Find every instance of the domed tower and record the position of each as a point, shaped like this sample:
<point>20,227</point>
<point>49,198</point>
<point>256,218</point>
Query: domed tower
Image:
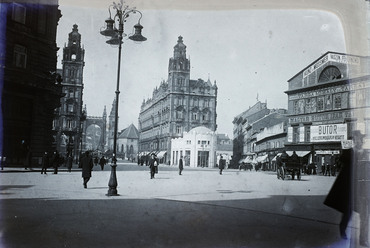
<point>179,68</point>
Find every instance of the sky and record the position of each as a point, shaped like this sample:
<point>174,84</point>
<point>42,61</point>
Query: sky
<point>249,53</point>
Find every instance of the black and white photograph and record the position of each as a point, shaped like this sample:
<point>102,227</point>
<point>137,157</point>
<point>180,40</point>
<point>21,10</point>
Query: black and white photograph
<point>168,123</point>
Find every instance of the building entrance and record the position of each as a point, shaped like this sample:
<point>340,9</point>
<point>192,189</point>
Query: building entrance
<point>203,158</point>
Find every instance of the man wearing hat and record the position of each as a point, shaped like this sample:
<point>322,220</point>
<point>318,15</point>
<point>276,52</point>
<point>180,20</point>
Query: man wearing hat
<point>351,190</point>
<point>153,165</point>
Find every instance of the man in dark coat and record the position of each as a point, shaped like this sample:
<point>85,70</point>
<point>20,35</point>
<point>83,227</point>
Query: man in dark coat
<point>350,191</point>
<point>181,165</point>
<point>55,160</point>
<point>102,162</point>
<point>87,165</point>
<point>152,165</point>
<point>69,163</point>
<point>221,164</point>
<point>45,163</point>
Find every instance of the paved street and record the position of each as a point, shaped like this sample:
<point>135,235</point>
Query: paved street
<point>197,209</point>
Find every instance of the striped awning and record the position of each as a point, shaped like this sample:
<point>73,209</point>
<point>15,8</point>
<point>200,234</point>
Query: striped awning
<point>161,154</point>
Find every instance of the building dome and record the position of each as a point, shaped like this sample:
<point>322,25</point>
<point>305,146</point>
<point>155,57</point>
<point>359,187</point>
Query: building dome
<point>200,129</point>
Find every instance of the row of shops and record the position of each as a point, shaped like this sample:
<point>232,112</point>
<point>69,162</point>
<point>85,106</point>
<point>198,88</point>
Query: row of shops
<point>319,159</point>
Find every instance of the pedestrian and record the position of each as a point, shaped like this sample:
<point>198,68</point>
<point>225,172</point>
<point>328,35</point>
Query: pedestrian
<point>153,165</point>
<point>221,164</point>
<point>96,161</point>
<point>45,163</point>
<point>28,158</point>
<point>102,162</point>
<point>181,165</point>
<point>69,163</point>
<point>55,161</point>
<point>87,165</point>
<point>327,169</point>
<point>350,191</point>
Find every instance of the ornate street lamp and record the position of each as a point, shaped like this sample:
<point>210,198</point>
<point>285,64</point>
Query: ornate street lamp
<point>116,34</point>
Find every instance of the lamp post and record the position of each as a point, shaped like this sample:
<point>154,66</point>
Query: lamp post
<point>122,13</point>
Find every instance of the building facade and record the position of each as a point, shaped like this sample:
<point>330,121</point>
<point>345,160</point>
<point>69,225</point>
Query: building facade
<point>128,143</point>
<point>243,139</point>
<point>224,148</point>
<point>270,133</point>
<point>327,100</point>
<point>197,147</point>
<point>31,89</point>
<point>176,106</point>
<point>69,117</point>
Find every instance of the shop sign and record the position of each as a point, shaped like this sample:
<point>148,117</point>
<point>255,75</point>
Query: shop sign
<point>316,66</point>
<point>337,58</point>
<point>330,132</point>
<point>321,117</point>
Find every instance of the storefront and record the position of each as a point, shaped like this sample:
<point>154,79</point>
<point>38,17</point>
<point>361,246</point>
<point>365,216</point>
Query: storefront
<point>324,100</point>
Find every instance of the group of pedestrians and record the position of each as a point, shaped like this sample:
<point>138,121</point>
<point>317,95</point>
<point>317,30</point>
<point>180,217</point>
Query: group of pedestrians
<point>55,160</point>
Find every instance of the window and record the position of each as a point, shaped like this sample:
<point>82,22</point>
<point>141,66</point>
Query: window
<point>73,57</point>
<point>195,116</point>
<point>19,13</point>
<point>178,130</point>
<point>70,107</point>
<point>179,114</point>
<point>71,93</point>
<point>20,56</point>
<point>295,134</point>
<point>337,101</point>
<point>307,133</point>
<point>308,105</point>
<point>330,73</point>
<point>69,124</point>
<point>328,102</point>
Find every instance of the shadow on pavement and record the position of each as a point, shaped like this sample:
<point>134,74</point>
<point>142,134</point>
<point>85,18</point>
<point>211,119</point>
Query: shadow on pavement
<point>278,221</point>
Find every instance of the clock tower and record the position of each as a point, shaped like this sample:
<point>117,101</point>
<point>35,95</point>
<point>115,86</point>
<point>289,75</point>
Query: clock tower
<point>70,117</point>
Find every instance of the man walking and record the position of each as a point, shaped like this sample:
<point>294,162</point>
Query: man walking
<point>87,165</point>
<point>69,163</point>
<point>221,164</point>
<point>102,162</point>
<point>153,165</point>
<point>45,163</point>
<point>181,166</point>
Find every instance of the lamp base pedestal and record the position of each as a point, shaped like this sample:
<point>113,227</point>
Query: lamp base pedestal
<point>112,191</point>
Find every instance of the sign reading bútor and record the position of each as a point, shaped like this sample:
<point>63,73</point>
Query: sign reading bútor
<point>330,132</point>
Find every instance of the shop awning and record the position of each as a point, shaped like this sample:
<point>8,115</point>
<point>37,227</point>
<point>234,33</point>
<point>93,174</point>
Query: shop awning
<point>161,154</point>
<point>299,153</point>
<point>277,155</point>
<point>248,160</point>
<point>262,159</point>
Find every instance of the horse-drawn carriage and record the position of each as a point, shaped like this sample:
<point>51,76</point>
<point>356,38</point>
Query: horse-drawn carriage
<point>288,166</point>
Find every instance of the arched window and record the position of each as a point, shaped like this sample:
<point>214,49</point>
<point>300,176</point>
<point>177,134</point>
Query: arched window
<point>330,73</point>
